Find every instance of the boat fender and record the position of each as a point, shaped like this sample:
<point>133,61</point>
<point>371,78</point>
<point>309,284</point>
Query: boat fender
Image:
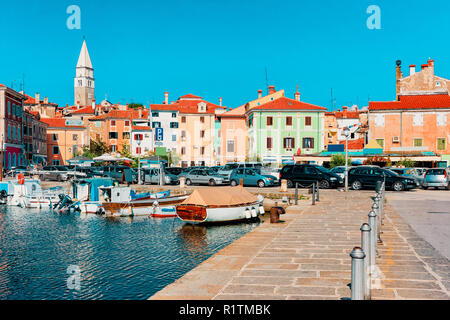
<point>254,213</point>
<point>101,211</point>
<point>261,210</point>
<point>247,213</point>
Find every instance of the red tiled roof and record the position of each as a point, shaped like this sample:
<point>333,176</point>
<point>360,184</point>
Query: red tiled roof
<point>238,112</point>
<point>84,110</point>
<point>31,100</point>
<point>187,106</point>
<point>190,96</point>
<point>59,123</point>
<point>284,103</point>
<point>122,114</point>
<point>164,107</point>
<point>431,101</point>
<point>347,114</point>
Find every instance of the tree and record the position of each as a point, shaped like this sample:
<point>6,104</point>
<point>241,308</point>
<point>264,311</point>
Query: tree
<point>135,105</point>
<point>339,160</point>
<point>96,148</point>
<point>406,162</point>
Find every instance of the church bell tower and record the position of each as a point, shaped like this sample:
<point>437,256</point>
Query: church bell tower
<point>84,79</point>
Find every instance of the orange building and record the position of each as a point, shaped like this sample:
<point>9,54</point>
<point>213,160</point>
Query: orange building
<point>233,135</point>
<point>65,139</point>
<point>414,123</point>
<point>114,128</point>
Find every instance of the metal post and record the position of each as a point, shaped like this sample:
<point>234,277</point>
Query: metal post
<point>357,284</point>
<point>376,209</point>
<point>296,193</point>
<point>373,238</point>
<point>313,193</point>
<point>317,191</point>
<point>346,164</point>
<point>365,245</point>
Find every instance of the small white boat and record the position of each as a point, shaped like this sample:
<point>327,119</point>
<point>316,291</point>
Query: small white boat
<point>31,195</point>
<point>117,202</point>
<point>220,205</point>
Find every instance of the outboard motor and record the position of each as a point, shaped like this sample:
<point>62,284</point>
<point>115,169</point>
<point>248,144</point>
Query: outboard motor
<point>3,196</point>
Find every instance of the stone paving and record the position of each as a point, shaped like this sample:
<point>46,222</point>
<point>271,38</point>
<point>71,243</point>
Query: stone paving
<point>307,258</point>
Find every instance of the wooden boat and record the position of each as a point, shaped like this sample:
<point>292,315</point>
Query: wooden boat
<point>220,205</point>
<point>116,201</point>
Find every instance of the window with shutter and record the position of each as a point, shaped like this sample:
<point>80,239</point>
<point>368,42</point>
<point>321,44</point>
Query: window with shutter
<point>289,121</point>
<point>269,143</point>
<point>269,121</point>
<point>308,121</point>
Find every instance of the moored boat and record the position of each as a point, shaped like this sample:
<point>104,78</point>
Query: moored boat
<point>117,201</point>
<point>220,205</point>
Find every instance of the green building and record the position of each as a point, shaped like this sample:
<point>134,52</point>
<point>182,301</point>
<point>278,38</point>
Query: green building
<point>282,127</point>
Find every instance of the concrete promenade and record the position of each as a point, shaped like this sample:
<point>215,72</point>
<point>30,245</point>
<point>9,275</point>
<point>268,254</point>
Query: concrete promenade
<point>307,257</point>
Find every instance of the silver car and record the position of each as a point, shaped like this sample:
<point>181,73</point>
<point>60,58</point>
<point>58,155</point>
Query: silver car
<point>205,176</point>
<point>437,177</point>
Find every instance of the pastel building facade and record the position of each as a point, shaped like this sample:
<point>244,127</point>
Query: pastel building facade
<point>282,127</point>
<point>11,138</point>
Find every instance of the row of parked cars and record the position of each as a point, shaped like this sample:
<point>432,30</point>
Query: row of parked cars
<point>422,177</point>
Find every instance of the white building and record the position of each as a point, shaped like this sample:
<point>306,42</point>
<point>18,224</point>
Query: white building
<point>165,116</point>
<point>141,140</point>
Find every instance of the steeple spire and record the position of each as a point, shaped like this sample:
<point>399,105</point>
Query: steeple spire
<point>84,60</point>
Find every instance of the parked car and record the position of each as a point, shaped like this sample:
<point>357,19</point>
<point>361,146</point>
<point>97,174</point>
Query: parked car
<point>307,174</point>
<point>367,176</point>
<point>151,175</point>
<point>20,169</point>
<point>54,173</point>
<point>174,170</point>
<point>340,170</point>
<point>215,168</point>
<point>229,167</point>
<point>189,169</point>
<point>437,177</point>
<point>409,172</point>
<point>251,177</point>
<point>204,176</point>
<point>117,172</point>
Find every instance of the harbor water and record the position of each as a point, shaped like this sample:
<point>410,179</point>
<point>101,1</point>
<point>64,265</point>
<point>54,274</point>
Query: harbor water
<point>46,255</point>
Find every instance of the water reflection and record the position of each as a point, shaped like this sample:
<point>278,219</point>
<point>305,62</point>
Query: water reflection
<point>119,258</point>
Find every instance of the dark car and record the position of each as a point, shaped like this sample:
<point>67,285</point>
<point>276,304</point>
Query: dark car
<point>119,172</point>
<point>307,174</point>
<point>367,176</point>
<point>54,173</point>
<point>174,170</point>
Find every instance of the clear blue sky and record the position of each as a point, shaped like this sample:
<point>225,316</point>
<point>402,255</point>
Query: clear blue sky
<point>139,49</point>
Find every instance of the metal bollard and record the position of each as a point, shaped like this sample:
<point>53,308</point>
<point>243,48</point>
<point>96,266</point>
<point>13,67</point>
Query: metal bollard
<point>379,201</point>
<point>365,245</point>
<point>357,284</point>
<point>313,194</point>
<point>317,191</point>
<point>296,193</point>
<point>373,238</point>
<point>376,208</point>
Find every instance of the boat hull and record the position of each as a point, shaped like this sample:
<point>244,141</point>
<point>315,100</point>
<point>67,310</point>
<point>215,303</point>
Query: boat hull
<point>199,214</point>
<point>139,207</point>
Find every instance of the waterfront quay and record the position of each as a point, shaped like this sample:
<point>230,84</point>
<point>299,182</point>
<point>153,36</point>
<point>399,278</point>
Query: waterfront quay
<point>307,257</point>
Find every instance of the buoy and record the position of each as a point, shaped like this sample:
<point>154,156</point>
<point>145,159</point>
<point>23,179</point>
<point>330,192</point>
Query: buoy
<point>21,178</point>
<point>253,211</point>
<point>247,213</point>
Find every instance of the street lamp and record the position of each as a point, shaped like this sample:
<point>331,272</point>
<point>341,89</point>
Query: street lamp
<point>346,135</point>
<point>138,139</point>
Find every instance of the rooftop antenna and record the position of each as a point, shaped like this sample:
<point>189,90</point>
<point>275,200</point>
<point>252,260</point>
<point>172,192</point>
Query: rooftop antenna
<point>267,81</point>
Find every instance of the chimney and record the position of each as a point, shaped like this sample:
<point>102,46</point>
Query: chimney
<point>37,98</point>
<point>398,76</point>
<point>412,69</point>
<point>78,104</point>
<point>220,101</point>
<point>431,65</point>
<point>297,95</point>
<point>424,66</point>
<point>259,94</point>
<point>166,97</point>
<point>93,104</point>
<point>46,100</point>
<point>140,113</point>
<point>272,89</point>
